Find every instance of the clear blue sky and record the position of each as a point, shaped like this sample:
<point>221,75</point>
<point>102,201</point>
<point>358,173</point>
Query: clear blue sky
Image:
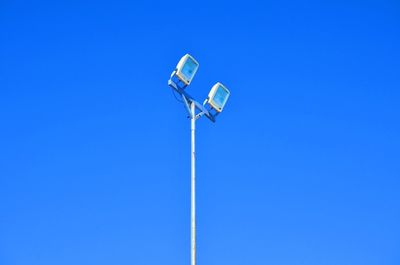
<point>302,167</point>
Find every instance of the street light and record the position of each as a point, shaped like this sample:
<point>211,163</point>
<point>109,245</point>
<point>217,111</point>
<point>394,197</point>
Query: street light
<point>186,69</point>
<point>180,78</point>
<point>218,96</point>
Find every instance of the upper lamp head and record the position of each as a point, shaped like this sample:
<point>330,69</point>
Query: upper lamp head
<point>218,96</point>
<point>186,69</point>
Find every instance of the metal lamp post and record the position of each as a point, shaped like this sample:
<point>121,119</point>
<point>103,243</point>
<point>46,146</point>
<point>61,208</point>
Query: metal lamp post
<point>180,78</point>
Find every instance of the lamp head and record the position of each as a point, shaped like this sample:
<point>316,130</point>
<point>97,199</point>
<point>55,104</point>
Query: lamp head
<point>218,96</point>
<point>186,69</point>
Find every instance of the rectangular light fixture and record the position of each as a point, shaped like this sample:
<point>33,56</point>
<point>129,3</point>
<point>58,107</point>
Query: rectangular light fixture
<point>218,96</point>
<point>186,69</point>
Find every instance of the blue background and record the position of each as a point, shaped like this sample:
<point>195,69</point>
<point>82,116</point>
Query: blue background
<point>302,167</point>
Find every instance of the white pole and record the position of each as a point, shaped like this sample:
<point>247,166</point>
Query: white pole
<point>193,184</point>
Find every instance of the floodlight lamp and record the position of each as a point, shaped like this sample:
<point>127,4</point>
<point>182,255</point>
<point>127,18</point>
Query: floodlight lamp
<point>186,69</point>
<point>218,96</point>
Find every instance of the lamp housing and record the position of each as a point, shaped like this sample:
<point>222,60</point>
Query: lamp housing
<point>186,68</point>
<point>218,96</point>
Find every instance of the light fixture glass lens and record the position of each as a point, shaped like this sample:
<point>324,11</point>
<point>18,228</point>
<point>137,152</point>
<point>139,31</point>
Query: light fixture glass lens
<point>189,68</point>
<point>220,97</point>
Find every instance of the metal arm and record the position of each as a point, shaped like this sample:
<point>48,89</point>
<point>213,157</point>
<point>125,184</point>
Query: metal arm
<point>175,84</point>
